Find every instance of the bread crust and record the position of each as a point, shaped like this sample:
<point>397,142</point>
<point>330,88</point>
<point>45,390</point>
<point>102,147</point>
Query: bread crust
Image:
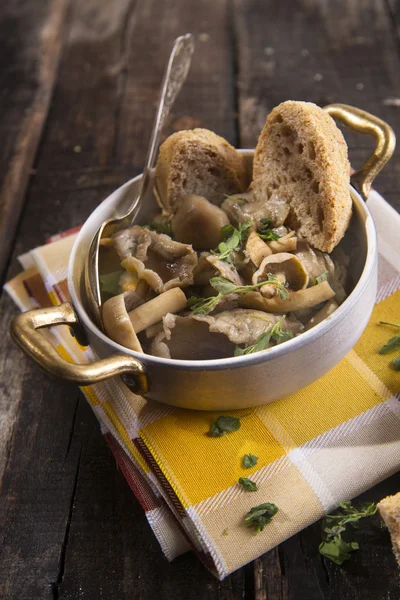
<point>301,155</point>
<point>389,509</point>
<point>198,162</point>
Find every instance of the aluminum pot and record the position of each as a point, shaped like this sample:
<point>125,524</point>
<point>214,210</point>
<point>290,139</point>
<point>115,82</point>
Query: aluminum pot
<point>228,383</point>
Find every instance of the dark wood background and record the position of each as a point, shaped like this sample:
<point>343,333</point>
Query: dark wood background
<point>79,82</point>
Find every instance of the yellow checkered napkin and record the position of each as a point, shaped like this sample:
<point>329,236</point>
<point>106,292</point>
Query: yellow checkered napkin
<point>327,443</point>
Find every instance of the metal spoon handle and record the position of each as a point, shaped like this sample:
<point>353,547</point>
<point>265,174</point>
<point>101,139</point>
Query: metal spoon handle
<point>174,76</point>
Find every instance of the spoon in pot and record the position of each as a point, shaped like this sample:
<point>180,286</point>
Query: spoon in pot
<point>174,76</point>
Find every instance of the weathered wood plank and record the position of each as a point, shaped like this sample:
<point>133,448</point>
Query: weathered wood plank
<point>31,38</point>
<point>319,52</point>
<point>324,53</point>
<point>96,138</point>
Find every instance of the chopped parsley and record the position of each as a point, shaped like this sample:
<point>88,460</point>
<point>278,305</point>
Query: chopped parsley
<point>160,227</point>
<point>265,232</point>
<point>259,516</point>
<point>247,484</point>
<point>224,425</point>
<point>249,460</point>
<point>333,546</point>
<point>391,345</point>
<point>321,278</point>
<point>277,334</point>
<point>203,306</point>
<point>109,283</point>
<point>232,240</point>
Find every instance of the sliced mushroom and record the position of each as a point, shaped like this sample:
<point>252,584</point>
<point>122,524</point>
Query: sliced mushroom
<point>153,311</point>
<point>190,339</point>
<point>241,208</point>
<point>244,326</point>
<point>296,301</point>
<point>287,243</point>
<point>323,313</point>
<point>163,263</point>
<point>289,264</point>
<point>257,249</point>
<point>118,325</point>
<point>198,222</point>
<point>316,263</point>
<point>204,270</point>
<point>225,269</point>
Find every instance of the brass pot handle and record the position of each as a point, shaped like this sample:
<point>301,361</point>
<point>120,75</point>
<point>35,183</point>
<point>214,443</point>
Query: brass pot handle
<point>24,331</point>
<point>363,122</point>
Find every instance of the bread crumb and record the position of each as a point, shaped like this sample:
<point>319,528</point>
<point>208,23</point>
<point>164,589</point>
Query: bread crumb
<point>360,87</point>
<point>77,149</point>
<point>318,77</point>
<point>305,52</point>
<point>203,37</point>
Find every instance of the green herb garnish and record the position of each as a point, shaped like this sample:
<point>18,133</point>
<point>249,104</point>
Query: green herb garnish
<point>396,363</point>
<point>232,240</point>
<point>259,516</point>
<point>202,306</point>
<point>249,460</point>
<point>391,346</point>
<point>224,425</point>
<point>321,278</point>
<point>247,484</point>
<point>109,283</point>
<point>277,334</point>
<point>265,232</point>
<point>160,227</point>
<point>333,546</point>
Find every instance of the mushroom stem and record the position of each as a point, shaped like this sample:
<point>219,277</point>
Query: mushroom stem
<point>257,249</point>
<point>153,311</point>
<point>118,325</point>
<point>287,243</point>
<point>324,312</point>
<point>296,300</point>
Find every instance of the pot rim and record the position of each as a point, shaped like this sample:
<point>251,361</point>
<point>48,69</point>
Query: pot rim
<point>233,362</point>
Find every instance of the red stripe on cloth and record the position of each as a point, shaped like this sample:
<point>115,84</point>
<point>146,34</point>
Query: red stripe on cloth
<point>141,446</point>
<point>136,482</point>
<point>63,234</point>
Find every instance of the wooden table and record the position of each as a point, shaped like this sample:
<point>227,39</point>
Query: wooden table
<point>79,85</point>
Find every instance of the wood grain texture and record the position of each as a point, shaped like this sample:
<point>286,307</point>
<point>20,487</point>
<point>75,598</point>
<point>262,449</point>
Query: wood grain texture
<point>95,139</point>
<point>31,38</point>
<point>70,527</point>
<point>321,52</point>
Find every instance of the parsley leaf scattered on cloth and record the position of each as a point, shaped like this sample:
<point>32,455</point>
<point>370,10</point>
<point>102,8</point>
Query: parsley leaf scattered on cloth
<point>249,460</point>
<point>224,425</point>
<point>265,232</point>
<point>247,484</point>
<point>333,546</point>
<point>391,346</point>
<point>259,516</point>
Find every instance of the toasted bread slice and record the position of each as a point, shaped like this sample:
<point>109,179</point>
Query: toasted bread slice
<point>389,509</point>
<point>301,156</point>
<point>198,162</point>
